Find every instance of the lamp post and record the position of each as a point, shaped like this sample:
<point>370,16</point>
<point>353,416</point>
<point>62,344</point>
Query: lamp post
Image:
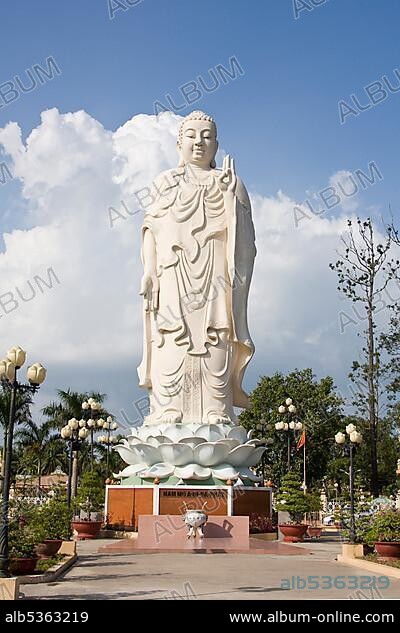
<point>288,427</point>
<point>74,433</point>
<point>92,408</point>
<point>336,485</point>
<point>108,439</point>
<point>266,441</point>
<point>36,374</point>
<point>354,438</point>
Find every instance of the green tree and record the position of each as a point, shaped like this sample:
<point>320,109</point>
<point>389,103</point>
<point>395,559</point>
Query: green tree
<point>318,408</point>
<point>41,446</point>
<point>91,493</point>
<point>292,499</point>
<point>69,406</point>
<point>364,270</point>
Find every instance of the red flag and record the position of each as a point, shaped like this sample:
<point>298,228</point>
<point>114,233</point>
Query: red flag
<point>302,441</point>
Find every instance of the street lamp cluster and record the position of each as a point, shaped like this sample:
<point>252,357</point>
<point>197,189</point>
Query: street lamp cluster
<point>354,438</point>
<point>288,409</point>
<point>76,431</point>
<point>36,375</point>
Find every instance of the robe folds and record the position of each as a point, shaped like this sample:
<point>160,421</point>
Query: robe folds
<point>197,344</point>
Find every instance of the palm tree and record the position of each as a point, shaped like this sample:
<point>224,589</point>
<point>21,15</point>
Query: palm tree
<point>115,462</point>
<point>70,406</point>
<point>38,443</point>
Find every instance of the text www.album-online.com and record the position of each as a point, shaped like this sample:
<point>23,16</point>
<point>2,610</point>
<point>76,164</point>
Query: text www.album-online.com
<point>336,617</point>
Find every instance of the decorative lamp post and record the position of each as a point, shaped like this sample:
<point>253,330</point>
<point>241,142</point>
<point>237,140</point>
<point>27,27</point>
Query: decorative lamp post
<point>91,409</point>
<point>74,433</point>
<point>108,439</point>
<point>36,375</point>
<point>266,441</point>
<point>289,427</point>
<point>336,485</point>
<point>349,444</point>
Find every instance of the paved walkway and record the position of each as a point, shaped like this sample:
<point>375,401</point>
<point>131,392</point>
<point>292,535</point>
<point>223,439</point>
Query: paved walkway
<point>105,576</point>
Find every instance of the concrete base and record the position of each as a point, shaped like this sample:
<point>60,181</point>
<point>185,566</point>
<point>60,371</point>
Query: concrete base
<point>267,536</point>
<point>352,551</point>
<point>170,532</point>
<point>9,588</point>
<point>367,565</point>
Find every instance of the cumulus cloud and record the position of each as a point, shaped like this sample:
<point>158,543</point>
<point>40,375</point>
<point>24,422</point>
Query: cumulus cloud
<point>87,317</point>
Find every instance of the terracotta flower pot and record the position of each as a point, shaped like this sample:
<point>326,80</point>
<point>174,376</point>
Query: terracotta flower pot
<point>293,533</point>
<point>388,549</point>
<point>48,548</point>
<point>22,566</point>
<point>86,529</point>
<point>313,531</point>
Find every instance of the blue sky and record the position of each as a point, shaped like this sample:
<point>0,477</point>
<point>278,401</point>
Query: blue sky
<point>279,118</point>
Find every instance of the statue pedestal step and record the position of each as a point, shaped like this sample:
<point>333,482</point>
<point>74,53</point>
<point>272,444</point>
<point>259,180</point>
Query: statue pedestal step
<point>170,532</point>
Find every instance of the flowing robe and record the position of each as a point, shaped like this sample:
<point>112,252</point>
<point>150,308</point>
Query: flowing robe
<point>197,344</point>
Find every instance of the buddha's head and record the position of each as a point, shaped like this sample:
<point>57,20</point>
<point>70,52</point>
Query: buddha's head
<point>197,140</point>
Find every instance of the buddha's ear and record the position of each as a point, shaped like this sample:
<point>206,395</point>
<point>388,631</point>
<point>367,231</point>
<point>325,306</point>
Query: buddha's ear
<point>181,161</point>
<point>213,164</point>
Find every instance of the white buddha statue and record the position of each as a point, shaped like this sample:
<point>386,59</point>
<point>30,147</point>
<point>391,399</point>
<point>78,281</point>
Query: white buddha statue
<point>198,254</point>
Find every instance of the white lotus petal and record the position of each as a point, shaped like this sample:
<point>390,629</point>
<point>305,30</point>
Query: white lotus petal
<point>230,442</point>
<point>192,441</point>
<point>225,471</point>
<point>132,440</point>
<point>153,441</point>
<point>142,453</point>
<point>177,432</point>
<point>161,439</point>
<point>158,470</point>
<point>240,455</point>
<point>144,432</point>
<point>210,453</point>
<point>193,426</point>
<point>226,428</point>
<point>178,454</point>
<point>255,456</point>
<point>128,455</point>
<point>129,471</point>
<point>248,474</point>
<point>239,433</point>
<point>192,471</point>
<point>210,432</point>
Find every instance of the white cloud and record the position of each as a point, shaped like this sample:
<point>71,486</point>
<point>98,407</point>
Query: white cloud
<point>346,187</point>
<point>72,170</point>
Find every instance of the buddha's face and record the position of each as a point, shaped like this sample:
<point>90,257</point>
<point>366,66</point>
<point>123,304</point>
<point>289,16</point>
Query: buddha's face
<point>199,144</point>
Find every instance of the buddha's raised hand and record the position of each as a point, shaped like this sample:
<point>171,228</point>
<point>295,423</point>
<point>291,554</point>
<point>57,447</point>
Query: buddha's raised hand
<point>227,180</point>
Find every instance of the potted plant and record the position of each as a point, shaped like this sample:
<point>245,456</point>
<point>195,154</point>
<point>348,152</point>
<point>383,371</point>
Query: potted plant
<point>260,524</point>
<point>314,507</point>
<point>292,499</point>
<point>22,553</point>
<point>89,501</point>
<point>385,530</point>
<point>51,525</point>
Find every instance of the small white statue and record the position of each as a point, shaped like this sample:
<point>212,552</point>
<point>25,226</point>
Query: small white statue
<point>195,519</point>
